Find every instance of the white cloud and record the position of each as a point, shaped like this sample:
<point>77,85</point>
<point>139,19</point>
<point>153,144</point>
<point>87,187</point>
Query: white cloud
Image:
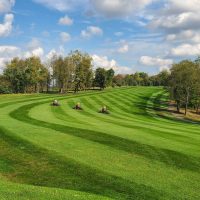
<point>56,52</point>
<point>112,8</point>
<point>119,8</point>
<point>65,21</point>
<point>45,34</point>
<point>103,61</point>
<point>141,23</point>
<point>38,52</point>
<point>6,5</point>
<point>182,21</point>
<point>2,64</point>
<point>177,15</point>
<point>124,49</point>
<point>6,26</point>
<point>186,50</point>
<point>65,37</point>
<point>119,34</point>
<point>34,44</point>
<point>91,31</point>
<point>188,35</point>
<point>187,5</point>
<point>61,5</point>
<point>179,21</point>
<point>34,49</point>
<point>7,53</point>
<point>51,54</point>
<point>156,62</point>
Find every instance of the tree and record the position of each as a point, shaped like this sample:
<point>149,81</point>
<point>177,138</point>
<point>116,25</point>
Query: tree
<point>100,78</point>
<point>143,79</point>
<point>182,82</point>
<point>163,78</point>
<point>16,73</point>
<point>109,77</point>
<point>82,64</point>
<point>25,75</point>
<point>137,78</point>
<point>118,80</point>
<point>129,80</point>
<point>196,89</point>
<point>36,73</point>
<point>5,86</point>
<point>59,72</point>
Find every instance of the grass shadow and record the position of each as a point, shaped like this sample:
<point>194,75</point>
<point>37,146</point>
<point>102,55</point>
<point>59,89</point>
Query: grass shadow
<point>31,164</point>
<point>169,157</point>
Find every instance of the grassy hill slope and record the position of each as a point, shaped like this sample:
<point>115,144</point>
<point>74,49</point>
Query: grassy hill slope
<point>132,153</point>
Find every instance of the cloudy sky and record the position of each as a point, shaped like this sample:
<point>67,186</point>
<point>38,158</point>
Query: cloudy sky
<point>127,35</point>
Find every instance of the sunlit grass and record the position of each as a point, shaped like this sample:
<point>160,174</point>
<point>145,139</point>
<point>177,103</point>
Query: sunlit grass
<point>132,153</point>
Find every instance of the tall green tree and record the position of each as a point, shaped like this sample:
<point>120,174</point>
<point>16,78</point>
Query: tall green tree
<point>82,64</point>
<point>5,86</point>
<point>138,78</point>
<point>59,72</point>
<point>119,80</point>
<point>109,77</point>
<point>143,79</point>
<point>129,80</point>
<point>182,82</point>
<point>100,78</point>
<point>25,75</point>
<point>16,73</point>
<point>196,89</point>
<point>36,73</point>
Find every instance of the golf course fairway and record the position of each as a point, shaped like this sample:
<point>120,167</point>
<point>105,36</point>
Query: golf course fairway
<point>134,152</point>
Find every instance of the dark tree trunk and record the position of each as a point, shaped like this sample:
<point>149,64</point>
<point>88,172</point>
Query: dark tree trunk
<point>197,108</point>
<point>47,88</point>
<point>36,88</point>
<point>186,103</point>
<point>178,106</point>
<point>47,85</point>
<point>61,90</point>
<point>186,107</point>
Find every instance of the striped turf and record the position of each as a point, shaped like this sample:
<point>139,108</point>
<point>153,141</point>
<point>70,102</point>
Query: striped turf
<point>133,153</point>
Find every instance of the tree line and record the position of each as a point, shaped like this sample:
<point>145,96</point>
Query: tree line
<point>74,72</point>
<point>184,84</point>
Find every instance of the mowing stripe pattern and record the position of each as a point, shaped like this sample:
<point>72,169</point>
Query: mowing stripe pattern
<point>138,151</point>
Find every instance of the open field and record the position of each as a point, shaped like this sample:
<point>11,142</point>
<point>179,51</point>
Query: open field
<point>132,153</point>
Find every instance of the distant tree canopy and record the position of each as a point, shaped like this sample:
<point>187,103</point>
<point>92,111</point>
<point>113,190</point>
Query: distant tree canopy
<point>103,78</point>
<point>5,86</point>
<point>141,79</point>
<point>26,75</point>
<point>184,84</point>
<point>75,72</point>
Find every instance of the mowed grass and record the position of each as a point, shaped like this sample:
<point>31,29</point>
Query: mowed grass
<point>135,152</point>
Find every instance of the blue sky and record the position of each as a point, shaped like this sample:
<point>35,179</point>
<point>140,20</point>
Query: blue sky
<point>129,35</point>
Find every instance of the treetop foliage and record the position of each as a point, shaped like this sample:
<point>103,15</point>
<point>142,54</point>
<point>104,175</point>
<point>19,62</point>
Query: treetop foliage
<point>75,72</point>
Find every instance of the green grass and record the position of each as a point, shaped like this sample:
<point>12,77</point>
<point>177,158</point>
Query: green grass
<point>135,152</point>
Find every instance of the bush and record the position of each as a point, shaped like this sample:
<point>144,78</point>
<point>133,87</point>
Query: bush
<point>5,90</point>
<point>5,86</point>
